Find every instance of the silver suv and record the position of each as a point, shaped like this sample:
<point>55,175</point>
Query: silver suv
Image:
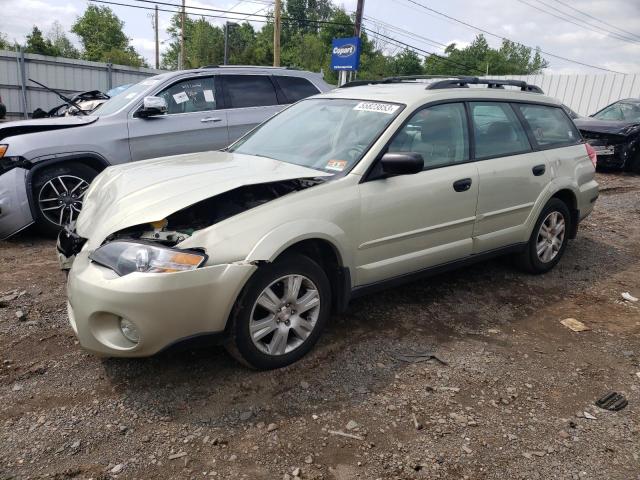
<point>46,165</point>
<point>338,195</point>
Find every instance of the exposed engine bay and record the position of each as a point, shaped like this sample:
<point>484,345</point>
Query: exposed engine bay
<point>180,225</point>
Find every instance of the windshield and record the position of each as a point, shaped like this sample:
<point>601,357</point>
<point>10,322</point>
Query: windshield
<point>621,111</point>
<point>322,133</point>
<point>129,95</point>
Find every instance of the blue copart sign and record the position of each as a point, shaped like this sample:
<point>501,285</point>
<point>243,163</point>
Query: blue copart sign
<point>345,53</point>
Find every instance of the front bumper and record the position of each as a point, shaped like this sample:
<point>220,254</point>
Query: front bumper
<point>15,213</point>
<point>165,308</point>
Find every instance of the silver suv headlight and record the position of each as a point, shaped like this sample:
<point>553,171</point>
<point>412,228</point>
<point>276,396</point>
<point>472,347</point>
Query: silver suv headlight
<point>124,257</point>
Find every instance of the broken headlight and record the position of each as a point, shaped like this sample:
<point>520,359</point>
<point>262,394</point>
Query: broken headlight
<point>128,257</point>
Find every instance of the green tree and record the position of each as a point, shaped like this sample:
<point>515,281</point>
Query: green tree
<point>61,42</point>
<point>36,43</point>
<point>204,43</point>
<point>4,42</point>
<point>103,39</point>
<point>479,58</point>
<point>407,63</point>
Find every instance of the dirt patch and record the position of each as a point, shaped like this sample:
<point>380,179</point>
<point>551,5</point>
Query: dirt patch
<point>509,402</point>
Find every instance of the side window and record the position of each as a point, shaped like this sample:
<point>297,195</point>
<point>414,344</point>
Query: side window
<point>192,95</point>
<point>249,91</point>
<point>549,125</point>
<point>497,130</point>
<point>296,88</point>
<point>438,133</point>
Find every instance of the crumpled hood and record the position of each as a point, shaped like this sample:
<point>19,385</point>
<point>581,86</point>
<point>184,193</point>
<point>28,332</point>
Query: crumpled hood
<point>9,129</point>
<point>615,127</point>
<point>148,191</point>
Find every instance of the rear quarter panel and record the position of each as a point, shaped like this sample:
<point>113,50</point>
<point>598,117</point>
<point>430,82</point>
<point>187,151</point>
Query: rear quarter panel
<point>571,169</point>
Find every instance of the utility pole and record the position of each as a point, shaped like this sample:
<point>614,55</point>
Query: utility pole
<point>358,22</point>
<point>276,34</point>
<point>155,21</point>
<point>181,62</point>
<point>226,40</point>
<point>357,27</point>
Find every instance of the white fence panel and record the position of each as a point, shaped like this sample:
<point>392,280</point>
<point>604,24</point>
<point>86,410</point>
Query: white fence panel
<point>584,93</point>
<point>66,75</point>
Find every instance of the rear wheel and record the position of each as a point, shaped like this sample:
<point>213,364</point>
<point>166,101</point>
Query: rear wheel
<point>548,240</point>
<point>58,194</point>
<point>281,313</point>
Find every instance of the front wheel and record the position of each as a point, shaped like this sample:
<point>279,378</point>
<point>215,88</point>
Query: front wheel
<point>281,313</point>
<point>58,194</point>
<point>548,240</point>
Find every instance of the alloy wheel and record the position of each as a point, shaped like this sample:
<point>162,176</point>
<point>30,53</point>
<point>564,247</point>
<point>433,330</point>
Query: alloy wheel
<point>284,314</point>
<point>550,237</point>
<point>60,199</point>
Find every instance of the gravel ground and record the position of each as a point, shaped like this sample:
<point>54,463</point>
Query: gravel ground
<point>514,396</point>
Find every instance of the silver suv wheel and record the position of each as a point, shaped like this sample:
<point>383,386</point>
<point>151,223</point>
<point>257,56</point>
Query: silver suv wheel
<point>550,236</point>
<point>60,199</point>
<point>284,315</point>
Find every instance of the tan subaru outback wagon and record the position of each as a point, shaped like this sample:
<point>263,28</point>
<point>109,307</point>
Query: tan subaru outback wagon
<point>336,196</point>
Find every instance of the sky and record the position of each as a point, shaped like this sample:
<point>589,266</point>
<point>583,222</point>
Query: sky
<point>519,20</point>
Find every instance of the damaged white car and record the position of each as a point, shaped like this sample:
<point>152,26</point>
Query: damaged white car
<point>336,196</point>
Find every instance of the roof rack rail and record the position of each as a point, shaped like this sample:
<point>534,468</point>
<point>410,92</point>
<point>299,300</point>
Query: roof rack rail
<point>464,82</point>
<point>449,81</point>
<point>248,66</point>
<point>399,79</point>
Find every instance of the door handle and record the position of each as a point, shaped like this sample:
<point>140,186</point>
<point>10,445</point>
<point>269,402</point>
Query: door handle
<point>539,170</point>
<point>210,119</point>
<point>462,185</point>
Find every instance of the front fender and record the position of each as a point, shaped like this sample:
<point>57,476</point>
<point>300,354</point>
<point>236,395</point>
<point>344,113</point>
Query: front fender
<point>282,237</point>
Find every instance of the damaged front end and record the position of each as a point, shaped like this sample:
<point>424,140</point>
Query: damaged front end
<point>182,224</point>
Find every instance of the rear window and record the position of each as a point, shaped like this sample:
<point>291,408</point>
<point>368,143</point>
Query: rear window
<point>249,91</point>
<point>497,130</point>
<point>296,88</point>
<point>550,125</point>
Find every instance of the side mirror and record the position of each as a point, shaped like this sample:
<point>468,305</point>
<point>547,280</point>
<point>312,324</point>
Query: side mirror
<point>405,163</point>
<point>152,106</point>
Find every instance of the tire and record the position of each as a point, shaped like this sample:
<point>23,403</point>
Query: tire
<point>529,260</point>
<point>52,203</point>
<point>281,325</point>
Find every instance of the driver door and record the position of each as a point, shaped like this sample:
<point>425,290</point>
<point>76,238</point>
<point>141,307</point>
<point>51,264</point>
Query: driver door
<point>192,122</point>
<point>412,222</point>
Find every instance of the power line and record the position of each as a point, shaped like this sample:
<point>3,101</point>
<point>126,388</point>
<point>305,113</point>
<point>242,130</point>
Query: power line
<point>428,53</point>
<point>580,22</point>
<point>266,17</point>
<point>504,38</point>
<point>415,36</point>
<point>596,18</point>
<point>209,9</point>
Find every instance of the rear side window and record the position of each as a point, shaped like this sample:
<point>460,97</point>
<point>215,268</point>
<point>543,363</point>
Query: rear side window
<point>249,91</point>
<point>550,125</point>
<point>296,88</point>
<point>438,133</point>
<point>497,130</point>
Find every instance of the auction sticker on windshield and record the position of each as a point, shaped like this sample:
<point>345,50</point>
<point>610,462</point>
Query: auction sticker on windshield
<point>376,107</point>
<point>336,165</point>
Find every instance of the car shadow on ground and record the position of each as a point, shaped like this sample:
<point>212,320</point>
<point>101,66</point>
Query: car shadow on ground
<point>356,354</point>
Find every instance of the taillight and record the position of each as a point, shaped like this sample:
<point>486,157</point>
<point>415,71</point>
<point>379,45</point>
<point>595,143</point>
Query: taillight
<point>592,154</point>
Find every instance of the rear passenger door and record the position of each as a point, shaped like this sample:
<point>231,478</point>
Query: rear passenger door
<point>249,100</point>
<point>511,175</point>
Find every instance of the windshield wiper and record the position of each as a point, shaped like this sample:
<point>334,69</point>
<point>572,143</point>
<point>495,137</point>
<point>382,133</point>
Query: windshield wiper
<point>66,100</point>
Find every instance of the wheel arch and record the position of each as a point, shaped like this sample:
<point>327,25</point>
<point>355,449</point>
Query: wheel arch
<point>323,242</point>
<point>568,197</point>
<point>90,159</point>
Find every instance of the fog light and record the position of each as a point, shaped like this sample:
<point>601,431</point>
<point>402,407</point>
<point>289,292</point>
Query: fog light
<point>129,330</point>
